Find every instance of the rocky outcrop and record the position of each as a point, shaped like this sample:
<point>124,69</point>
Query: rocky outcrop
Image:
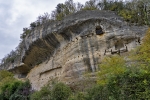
<point>66,49</point>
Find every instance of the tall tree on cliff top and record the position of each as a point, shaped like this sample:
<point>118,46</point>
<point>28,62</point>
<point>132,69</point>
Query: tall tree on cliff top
<point>91,5</point>
<point>70,7</point>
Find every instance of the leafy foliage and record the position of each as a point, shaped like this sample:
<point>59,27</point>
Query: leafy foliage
<point>44,93</point>
<point>15,90</point>
<point>78,96</point>
<point>58,91</point>
<point>110,66</point>
<point>126,14</point>
<point>11,88</point>
<point>141,55</point>
<point>98,92</point>
<point>90,5</point>
<point>22,92</point>
<point>4,74</point>
<point>5,77</point>
<point>61,91</point>
<point>130,85</point>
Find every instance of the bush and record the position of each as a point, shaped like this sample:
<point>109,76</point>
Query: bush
<point>16,90</point>
<point>5,77</point>
<point>98,92</point>
<point>126,14</point>
<point>131,85</point>
<point>110,66</point>
<point>118,82</point>
<point>58,91</point>
<point>4,74</point>
<point>78,96</point>
<point>9,88</point>
<point>44,93</point>
<point>142,54</point>
<point>61,92</point>
<point>22,92</point>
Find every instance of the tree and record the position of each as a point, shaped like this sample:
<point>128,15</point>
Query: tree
<point>110,66</point>
<point>11,88</point>
<point>142,54</point>
<point>33,25</point>
<point>90,5</point>
<point>57,91</point>
<point>42,19</point>
<point>130,85</point>
<point>143,7</point>
<point>60,11</point>
<point>61,92</point>
<point>79,6</point>
<point>26,31</point>
<point>69,7</point>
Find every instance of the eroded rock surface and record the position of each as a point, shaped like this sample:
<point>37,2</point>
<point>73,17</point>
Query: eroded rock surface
<point>68,48</point>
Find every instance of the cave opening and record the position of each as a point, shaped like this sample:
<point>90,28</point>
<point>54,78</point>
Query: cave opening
<point>99,30</point>
<point>119,44</point>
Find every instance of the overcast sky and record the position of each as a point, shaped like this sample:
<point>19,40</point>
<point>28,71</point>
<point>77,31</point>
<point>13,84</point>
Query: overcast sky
<point>17,14</point>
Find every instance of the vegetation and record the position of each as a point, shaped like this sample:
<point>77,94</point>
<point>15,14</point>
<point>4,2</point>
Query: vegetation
<point>142,54</point>
<point>44,93</point>
<point>5,77</point>
<point>9,58</point>
<point>110,66</point>
<point>13,89</point>
<point>58,91</point>
<point>130,85</point>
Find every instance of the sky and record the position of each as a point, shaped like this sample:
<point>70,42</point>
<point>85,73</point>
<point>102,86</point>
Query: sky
<point>18,14</point>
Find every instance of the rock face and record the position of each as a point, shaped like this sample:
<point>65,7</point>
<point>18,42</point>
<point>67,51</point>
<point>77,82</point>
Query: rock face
<point>67,49</point>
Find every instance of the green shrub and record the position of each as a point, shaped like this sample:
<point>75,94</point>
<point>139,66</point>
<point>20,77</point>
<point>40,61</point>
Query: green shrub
<point>126,14</point>
<point>78,96</point>
<point>110,66</point>
<point>5,77</point>
<point>58,91</point>
<point>22,92</point>
<point>98,92</point>
<point>61,91</point>
<point>44,93</point>
<point>131,85</point>
<point>9,88</point>
<point>4,74</point>
<point>142,54</point>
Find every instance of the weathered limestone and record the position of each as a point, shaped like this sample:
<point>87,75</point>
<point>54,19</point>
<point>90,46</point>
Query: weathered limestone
<point>67,49</point>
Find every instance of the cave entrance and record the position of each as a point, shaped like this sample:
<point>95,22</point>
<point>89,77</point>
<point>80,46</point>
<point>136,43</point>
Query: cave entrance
<point>119,44</point>
<point>99,30</point>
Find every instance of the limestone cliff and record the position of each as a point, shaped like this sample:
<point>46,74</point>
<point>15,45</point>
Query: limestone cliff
<point>66,49</point>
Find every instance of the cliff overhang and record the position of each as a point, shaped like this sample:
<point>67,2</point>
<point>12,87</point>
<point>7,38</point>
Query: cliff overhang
<point>74,45</point>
